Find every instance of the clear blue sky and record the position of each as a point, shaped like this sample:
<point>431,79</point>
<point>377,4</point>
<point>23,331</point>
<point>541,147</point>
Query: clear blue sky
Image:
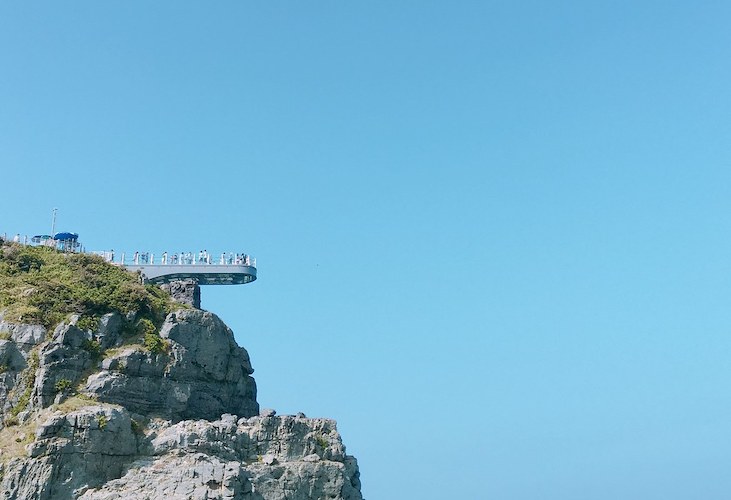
<point>493,238</point>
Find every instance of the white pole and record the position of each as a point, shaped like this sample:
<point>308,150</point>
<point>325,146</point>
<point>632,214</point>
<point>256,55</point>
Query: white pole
<point>53,223</point>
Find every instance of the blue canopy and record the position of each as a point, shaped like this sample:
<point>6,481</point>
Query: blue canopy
<point>66,236</point>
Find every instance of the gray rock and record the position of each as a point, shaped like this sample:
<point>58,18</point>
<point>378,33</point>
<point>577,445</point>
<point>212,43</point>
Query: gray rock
<point>93,453</point>
<point>68,335</point>
<point>63,362</point>
<point>72,452</point>
<point>25,336</point>
<point>11,358</point>
<point>183,423</point>
<point>195,476</point>
<point>109,331</point>
<point>204,375</point>
<point>185,292</point>
<point>227,418</point>
<point>287,438</point>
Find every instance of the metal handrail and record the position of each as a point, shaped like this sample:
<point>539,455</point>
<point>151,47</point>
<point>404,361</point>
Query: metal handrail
<point>188,259</point>
<point>147,258</point>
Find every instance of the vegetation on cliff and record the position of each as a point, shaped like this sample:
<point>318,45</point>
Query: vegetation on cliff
<point>41,285</point>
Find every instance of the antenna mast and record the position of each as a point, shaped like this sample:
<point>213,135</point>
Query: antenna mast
<point>53,223</point>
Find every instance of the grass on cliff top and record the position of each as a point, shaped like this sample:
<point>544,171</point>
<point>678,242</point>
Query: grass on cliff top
<point>43,286</point>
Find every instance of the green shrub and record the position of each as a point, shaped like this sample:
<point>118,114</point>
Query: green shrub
<point>136,427</point>
<point>33,363</point>
<point>90,323</point>
<point>41,285</point>
<point>28,378</point>
<point>22,402</point>
<point>322,441</point>
<point>150,338</point>
<point>93,347</point>
<point>154,343</point>
<point>146,327</point>
<point>102,420</point>
<point>62,385</point>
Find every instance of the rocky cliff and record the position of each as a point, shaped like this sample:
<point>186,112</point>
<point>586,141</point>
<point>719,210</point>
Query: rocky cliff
<point>115,406</point>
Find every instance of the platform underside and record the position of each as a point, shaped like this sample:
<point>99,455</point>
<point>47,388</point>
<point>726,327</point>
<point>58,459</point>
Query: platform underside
<point>204,274</point>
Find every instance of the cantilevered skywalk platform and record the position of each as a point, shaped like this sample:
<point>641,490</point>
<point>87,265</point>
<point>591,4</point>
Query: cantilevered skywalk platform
<point>201,273</point>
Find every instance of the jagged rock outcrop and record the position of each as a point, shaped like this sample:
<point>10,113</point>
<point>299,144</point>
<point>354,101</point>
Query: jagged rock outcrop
<point>69,452</point>
<point>199,372</point>
<point>203,374</point>
<point>108,413</point>
<point>185,292</point>
<point>100,452</point>
<point>255,458</point>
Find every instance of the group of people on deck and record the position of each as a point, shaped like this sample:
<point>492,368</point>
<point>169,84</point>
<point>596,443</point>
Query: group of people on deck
<point>203,257</point>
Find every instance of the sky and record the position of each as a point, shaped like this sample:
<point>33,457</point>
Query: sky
<point>493,238</point>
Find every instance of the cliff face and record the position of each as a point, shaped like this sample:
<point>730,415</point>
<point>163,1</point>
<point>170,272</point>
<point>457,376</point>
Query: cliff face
<point>118,408</point>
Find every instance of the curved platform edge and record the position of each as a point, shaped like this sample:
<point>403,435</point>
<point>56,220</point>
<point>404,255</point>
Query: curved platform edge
<point>204,274</point>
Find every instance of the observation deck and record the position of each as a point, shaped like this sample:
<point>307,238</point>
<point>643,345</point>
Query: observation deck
<point>228,269</point>
<point>201,273</point>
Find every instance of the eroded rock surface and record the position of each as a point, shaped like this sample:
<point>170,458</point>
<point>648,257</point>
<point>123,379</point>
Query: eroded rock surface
<point>100,452</point>
<point>97,414</point>
<point>184,291</point>
<point>203,374</point>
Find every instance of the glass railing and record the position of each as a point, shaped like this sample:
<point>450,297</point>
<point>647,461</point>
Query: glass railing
<point>178,259</point>
<point>141,258</point>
